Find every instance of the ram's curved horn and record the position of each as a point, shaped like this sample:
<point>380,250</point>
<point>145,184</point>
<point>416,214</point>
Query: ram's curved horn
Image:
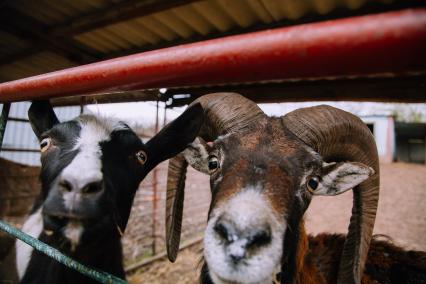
<point>340,136</point>
<point>224,113</point>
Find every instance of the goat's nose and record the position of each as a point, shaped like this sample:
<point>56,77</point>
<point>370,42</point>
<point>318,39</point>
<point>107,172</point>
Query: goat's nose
<point>238,240</point>
<point>67,185</point>
<point>237,251</point>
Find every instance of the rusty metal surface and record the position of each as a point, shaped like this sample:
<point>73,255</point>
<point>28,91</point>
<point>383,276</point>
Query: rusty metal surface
<point>146,95</point>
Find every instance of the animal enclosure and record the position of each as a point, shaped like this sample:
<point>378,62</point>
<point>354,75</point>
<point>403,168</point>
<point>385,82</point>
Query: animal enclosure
<point>269,51</point>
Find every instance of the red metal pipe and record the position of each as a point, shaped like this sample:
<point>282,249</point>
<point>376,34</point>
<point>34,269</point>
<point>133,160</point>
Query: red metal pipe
<point>393,42</point>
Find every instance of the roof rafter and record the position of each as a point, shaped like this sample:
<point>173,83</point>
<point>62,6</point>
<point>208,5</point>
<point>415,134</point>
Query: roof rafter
<point>55,38</point>
<point>22,26</point>
<point>115,13</point>
<point>372,89</point>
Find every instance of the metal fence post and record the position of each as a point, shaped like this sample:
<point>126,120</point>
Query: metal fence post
<point>3,121</point>
<point>154,193</point>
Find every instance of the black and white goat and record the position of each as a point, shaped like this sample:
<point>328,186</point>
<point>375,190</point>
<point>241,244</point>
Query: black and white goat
<point>91,169</point>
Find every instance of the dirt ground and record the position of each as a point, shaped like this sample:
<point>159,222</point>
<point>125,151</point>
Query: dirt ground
<point>401,216</point>
<point>186,269</point>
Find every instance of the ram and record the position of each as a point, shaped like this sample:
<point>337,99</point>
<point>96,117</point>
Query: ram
<point>264,172</point>
<point>91,169</point>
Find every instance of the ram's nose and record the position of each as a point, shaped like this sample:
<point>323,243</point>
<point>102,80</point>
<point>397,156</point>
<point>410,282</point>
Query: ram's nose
<point>239,241</point>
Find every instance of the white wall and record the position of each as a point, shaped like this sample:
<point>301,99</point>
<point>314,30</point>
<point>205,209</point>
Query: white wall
<point>384,133</point>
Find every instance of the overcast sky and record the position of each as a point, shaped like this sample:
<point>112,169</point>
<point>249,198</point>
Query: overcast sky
<point>144,113</point>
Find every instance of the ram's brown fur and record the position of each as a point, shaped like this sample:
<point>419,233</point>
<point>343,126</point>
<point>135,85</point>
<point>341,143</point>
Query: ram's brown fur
<point>274,157</point>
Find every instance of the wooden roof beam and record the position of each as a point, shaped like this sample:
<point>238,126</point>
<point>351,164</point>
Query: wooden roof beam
<point>53,39</point>
<point>20,25</point>
<point>407,89</point>
<point>114,13</point>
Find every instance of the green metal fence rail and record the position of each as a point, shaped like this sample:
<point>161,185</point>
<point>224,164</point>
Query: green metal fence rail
<point>100,276</point>
<point>97,275</point>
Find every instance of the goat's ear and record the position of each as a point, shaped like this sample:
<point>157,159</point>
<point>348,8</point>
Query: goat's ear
<point>197,155</point>
<point>176,136</point>
<point>42,117</point>
<point>337,178</point>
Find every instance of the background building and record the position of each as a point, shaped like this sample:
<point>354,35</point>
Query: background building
<point>410,142</point>
<point>383,129</point>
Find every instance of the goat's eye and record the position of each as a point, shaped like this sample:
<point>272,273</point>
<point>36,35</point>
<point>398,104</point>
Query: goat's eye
<point>142,157</point>
<point>45,144</point>
<point>213,164</point>
<point>313,183</point>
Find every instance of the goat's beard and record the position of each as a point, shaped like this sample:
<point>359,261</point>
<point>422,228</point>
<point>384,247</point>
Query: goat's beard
<point>75,233</point>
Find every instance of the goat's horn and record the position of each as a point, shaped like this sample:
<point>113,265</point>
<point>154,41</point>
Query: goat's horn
<point>224,113</point>
<point>340,136</point>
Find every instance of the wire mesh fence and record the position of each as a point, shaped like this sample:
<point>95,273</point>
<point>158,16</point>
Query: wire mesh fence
<point>140,239</point>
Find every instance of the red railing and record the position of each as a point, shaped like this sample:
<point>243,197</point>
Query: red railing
<point>393,42</point>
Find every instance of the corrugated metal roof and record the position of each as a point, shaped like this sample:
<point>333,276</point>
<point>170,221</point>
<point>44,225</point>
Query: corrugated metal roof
<point>51,12</point>
<point>38,63</point>
<point>42,36</point>
<point>203,18</point>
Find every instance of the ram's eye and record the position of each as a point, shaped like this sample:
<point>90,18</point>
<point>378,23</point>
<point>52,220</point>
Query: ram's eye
<point>213,164</point>
<point>45,144</point>
<point>142,157</point>
<point>312,184</point>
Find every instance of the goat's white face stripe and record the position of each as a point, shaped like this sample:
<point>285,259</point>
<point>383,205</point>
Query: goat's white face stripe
<point>248,208</point>
<point>33,227</point>
<point>86,167</point>
<point>70,199</point>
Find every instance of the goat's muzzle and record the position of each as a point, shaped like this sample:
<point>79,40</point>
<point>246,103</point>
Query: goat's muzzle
<point>239,243</point>
<point>243,240</point>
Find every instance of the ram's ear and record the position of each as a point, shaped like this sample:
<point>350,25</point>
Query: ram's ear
<point>176,136</point>
<point>337,178</point>
<point>197,155</point>
<point>42,117</point>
